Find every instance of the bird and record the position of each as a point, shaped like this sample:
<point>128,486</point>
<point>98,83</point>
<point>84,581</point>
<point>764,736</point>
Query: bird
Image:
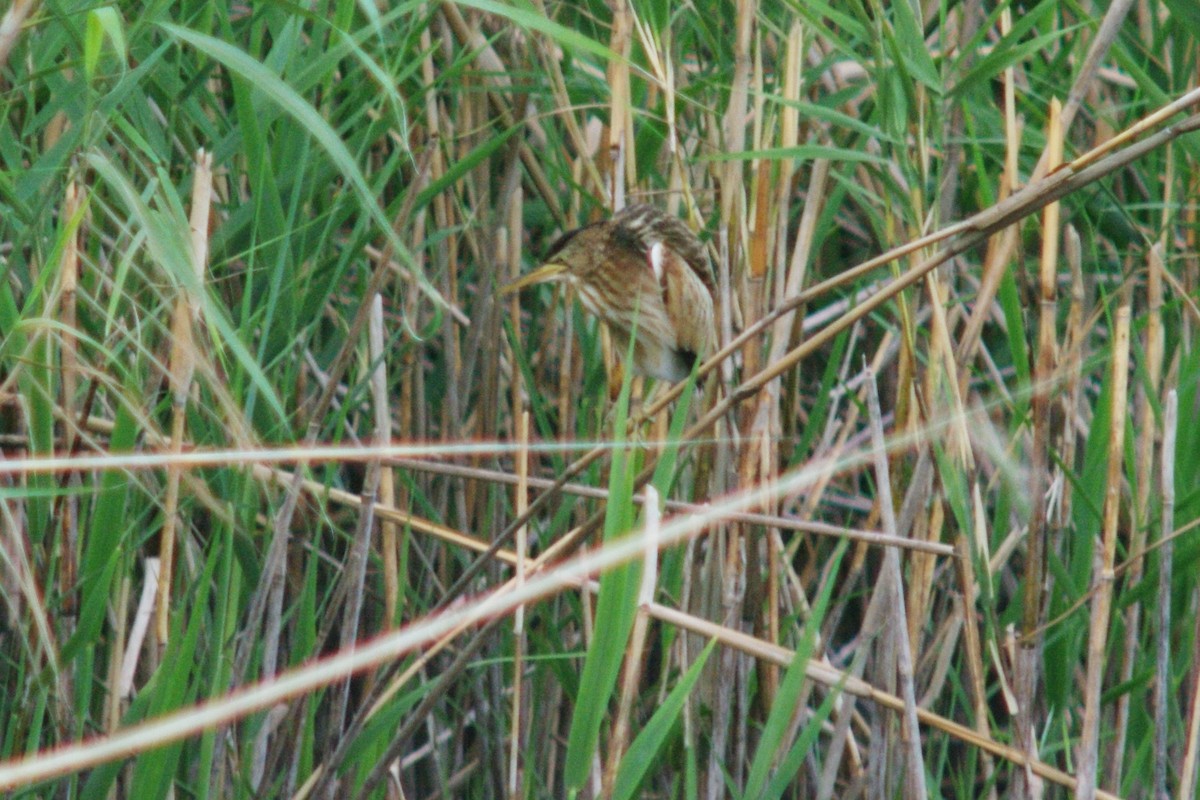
<point>648,277</point>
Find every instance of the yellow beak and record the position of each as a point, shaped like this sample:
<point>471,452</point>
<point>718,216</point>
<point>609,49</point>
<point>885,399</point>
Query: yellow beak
<point>546,272</point>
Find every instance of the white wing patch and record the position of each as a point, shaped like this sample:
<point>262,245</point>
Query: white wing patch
<point>656,260</point>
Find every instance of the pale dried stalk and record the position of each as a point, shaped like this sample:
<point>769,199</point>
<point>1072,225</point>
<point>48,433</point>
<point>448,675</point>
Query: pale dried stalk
<point>512,254</point>
<point>518,681</point>
<point>729,580</point>
<point>10,26</point>
<point>380,401</point>
<point>1075,340</point>
<point>1000,248</point>
<point>914,773</point>
<point>973,642</point>
<point>1105,558</point>
<point>1162,677</point>
<point>1029,654</point>
<point>137,634</point>
<point>622,162</point>
<point>1146,432</point>
<point>733,125</point>
<point>381,404</point>
<point>182,367</point>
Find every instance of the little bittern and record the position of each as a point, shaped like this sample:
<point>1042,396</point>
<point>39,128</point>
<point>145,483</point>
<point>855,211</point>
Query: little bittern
<point>642,270</point>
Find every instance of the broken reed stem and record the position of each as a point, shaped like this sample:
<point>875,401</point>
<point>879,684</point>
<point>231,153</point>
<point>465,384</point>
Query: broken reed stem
<point>1105,558</point>
<point>182,366</point>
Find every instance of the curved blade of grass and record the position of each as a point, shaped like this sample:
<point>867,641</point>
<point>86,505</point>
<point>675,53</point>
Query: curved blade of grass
<point>279,92</point>
<point>569,39</point>
<point>910,42</point>
<point>647,744</point>
<point>166,240</point>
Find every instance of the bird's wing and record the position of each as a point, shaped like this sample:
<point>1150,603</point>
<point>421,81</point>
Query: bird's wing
<point>643,226</point>
<point>688,302</point>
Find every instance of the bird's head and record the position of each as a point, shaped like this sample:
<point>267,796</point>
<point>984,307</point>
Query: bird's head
<point>575,254</point>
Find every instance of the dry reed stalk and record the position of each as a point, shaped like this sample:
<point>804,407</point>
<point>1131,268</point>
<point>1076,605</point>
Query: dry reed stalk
<point>1162,677</point>
<point>1029,653</point>
<point>769,674</point>
<point>797,269</point>
<point>389,533</point>
<point>353,580</point>
<point>141,624</point>
<point>1146,432</point>
<point>382,407</point>
<point>515,776</point>
<point>1074,342</point>
<point>972,640</point>
<point>1104,560</point>
<point>620,120</point>
<point>11,24</point>
<point>1187,773</point>
<point>942,387</point>
<point>182,367</point>
<point>893,585</point>
<point>726,583</point>
<point>1000,248</point>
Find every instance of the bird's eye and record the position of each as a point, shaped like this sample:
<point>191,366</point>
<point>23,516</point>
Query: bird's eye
<point>560,243</point>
